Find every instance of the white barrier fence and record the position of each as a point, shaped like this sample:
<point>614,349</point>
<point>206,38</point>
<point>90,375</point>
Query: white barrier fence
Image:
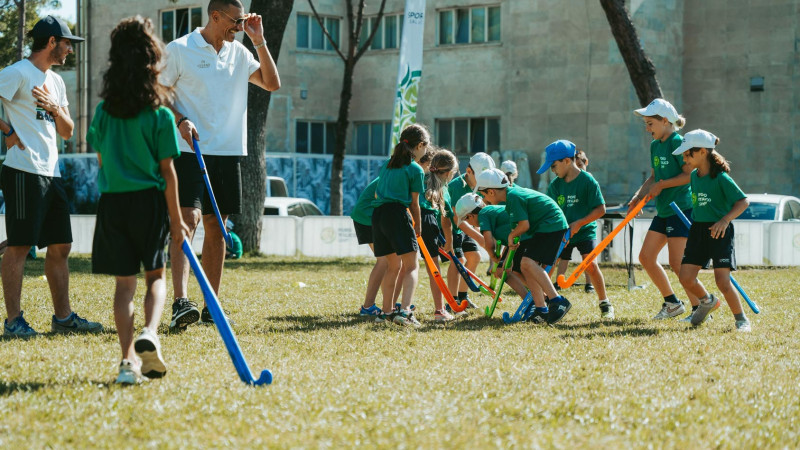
<point>758,243</point>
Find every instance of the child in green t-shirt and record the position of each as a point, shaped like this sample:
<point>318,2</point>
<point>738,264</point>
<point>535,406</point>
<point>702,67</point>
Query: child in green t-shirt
<point>668,182</point>
<point>540,226</point>
<point>234,252</point>
<point>578,195</point>
<point>136,140</point>
<point>717,201</point>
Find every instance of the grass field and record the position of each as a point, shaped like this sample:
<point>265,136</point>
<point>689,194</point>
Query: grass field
<point>341,381</point>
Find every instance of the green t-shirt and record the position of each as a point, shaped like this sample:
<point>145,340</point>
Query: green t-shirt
<point>666,166</point>
<point>396,185</point>
<point>458,187</point>
<point>130,149</point>
<point>362,211</point>
<point>538,209</point>
<point>494,219</point>
<point>712,198</point>
<point>235,251</point>
<point>577,199</point>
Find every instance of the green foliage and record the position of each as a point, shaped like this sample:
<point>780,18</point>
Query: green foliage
<point>9,27</point>
<point>342,381</point>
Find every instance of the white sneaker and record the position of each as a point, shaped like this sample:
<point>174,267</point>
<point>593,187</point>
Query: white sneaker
<point>149,350</point>
<point>606,310</point>
<point>704,310</point>
<point>670,310</point>
<point>743,326</point>
<point>129,373</point>
<point>443,316</point>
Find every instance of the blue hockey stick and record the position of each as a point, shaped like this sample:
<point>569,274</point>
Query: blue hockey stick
<point>526,307</point>
<point>460,267</point>
<point>688,223</point>
<point>222,324</point>
<point>225,234</point>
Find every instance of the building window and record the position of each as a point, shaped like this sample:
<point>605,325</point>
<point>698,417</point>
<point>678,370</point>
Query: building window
<point>316,138</point>
<point>469,25</point>
<point>179,22</point>
<point>372,138</point>
<point>310,34</point>
<point>467,136</point>
<point>388,34</point>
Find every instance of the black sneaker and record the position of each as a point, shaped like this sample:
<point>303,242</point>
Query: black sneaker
<point>184,313</point>
<point>559,307</point>
<point>205,317</point>
<point>588,288</point>
<point>537,317</point>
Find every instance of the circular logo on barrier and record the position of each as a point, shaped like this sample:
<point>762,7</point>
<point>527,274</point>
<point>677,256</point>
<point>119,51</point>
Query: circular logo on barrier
<point>328,235</point>
<point>796,241</point>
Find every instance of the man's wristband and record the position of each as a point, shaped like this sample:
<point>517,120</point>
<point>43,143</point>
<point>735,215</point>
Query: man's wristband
<point>262,44</point>
<point>180,121</point>
<point>10,131</point>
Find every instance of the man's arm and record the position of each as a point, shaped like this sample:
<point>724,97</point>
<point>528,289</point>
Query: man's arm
<point>266,77</point>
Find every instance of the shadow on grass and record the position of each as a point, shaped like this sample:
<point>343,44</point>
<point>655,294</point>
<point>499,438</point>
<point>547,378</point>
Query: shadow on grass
<point>294,323</point>
<point>50,334</point>
<point>296,264</point>
<point>605,333</point>
<point>8,388</point>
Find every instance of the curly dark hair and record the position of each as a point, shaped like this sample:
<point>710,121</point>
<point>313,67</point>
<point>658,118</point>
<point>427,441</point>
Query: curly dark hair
<point>131,82</point>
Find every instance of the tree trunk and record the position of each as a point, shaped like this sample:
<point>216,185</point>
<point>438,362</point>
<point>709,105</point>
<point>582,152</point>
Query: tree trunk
<point>640,68</point>
<point>341,139</point>
<point>275,15</point>
<point>21,28</point>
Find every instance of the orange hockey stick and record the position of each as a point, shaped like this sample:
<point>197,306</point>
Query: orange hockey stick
<point>567,282</point>
<point>437,277</point>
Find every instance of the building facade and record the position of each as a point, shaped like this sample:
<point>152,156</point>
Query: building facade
<point>510,76</point>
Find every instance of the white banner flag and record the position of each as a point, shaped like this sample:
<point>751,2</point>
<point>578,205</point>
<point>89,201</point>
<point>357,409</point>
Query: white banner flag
<point>409,71</point>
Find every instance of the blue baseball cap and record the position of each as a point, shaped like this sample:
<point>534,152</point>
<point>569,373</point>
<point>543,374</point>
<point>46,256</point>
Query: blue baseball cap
<point>557,150</point>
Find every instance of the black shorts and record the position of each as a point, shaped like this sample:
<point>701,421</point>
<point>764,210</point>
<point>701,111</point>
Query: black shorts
<point>672,226</point>
<point>430,232</point>
<point>225,173</point>
<point>584,248</point>
<point>363,233</point>
<point>700,247</point>
<point>392,230</point>
<point>37,210</point>
<point>463,244</point>
<point>542,248</point>
<point>131,230</point>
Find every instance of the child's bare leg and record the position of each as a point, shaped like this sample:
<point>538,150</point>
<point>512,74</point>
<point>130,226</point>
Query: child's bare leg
<point>676,247</point>
<point>123,315</point>
<point>517,283</point>
<point>435,291</point>
<point>537,280</point>
<point>374,281</point>
<point>393,266</point>
<point>453,278</point>
<point>688,277</point>
<point>563,265</point>
<point>596,276</point>
<point>409,273</point>
<point>723,278</point>
<point>154,298</point>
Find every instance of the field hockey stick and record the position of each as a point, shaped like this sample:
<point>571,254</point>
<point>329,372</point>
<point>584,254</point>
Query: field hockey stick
<point>225,234</point>
<point>222,324</point>
<point>527,303</point>
<point>437,278</point>
<point>484,288</point>
<point>509,261</point>
<point>460,267</point>
<point>567,282</point>
<point>746,297</point>
<point>497,252</point>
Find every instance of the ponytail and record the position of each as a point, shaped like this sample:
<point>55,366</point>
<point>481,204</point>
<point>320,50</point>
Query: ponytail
<point>716,162</point>
<point>403,152</point>
<point>442,165</point>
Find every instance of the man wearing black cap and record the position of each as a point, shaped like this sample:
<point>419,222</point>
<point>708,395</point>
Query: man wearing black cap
<point>37,212</point>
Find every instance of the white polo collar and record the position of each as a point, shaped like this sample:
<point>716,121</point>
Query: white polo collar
<point>199,41</point>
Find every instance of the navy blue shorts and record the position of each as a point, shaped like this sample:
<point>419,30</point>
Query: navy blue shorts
<point>700,247</point>
<point>584,248</point>
<point>463,244</point>
<point>542,248</point>
<point>672,226</point>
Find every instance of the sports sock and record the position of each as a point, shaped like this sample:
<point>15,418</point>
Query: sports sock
<point>740,316</point>
<point>671,299</point>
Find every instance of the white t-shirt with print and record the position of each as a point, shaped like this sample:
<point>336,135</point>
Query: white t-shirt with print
<point>35,128</point>
<point>211,90</point>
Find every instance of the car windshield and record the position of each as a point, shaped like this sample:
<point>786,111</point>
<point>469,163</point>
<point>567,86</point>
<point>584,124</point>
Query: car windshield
<point>759,211</point>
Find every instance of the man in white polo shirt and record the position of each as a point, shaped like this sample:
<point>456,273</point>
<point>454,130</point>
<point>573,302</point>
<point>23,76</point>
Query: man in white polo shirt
<point>37,212</point>
<point>210,71</point>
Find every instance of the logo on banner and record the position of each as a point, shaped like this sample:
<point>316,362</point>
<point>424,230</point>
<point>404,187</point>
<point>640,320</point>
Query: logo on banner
<point>416,18</point>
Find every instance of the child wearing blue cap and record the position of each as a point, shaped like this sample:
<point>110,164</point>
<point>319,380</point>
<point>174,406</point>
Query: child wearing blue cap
<point>578,195</point>
<point>668,182</point>
<point>540,226</point>
<point>716,201</point>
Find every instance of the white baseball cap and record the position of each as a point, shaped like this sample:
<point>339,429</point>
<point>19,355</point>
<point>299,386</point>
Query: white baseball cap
<point>491,179</point>
<point>466,204</point>
<point>480,162</point>
<point>508,167</point>
<point>696,139</point>
<point>659,107</point>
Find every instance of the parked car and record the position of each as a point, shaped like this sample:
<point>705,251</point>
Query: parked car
<point>290,206</point>
<point>772,207</point>
<point>276,187</point>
